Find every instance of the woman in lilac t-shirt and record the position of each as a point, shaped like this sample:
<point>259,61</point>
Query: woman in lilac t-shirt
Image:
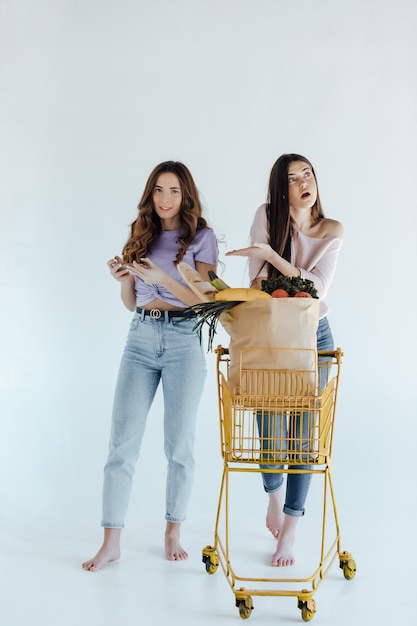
<point>161,346</point>
<point>291,236</point>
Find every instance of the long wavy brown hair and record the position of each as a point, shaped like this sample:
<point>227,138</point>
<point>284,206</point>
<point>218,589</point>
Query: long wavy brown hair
<point>280,225</point>
<point>147,226</point>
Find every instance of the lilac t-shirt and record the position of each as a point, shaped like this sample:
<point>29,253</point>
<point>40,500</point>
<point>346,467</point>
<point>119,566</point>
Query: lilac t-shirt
<point>203,248</point>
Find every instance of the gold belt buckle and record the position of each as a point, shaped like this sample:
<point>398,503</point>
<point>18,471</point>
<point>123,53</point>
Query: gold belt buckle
<point>155,314</point>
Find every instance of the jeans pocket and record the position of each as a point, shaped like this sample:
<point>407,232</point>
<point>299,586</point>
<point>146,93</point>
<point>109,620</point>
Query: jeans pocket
<point>135,322</point>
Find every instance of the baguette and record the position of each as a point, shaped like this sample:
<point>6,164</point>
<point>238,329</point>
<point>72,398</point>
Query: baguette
<point>202,288</point>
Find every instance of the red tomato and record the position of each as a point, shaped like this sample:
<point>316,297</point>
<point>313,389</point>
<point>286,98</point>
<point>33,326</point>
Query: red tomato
<point>303,294</point>
<point>280,293</point>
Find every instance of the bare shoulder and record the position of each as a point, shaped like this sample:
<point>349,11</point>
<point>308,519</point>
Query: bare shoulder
<point>331,228</point>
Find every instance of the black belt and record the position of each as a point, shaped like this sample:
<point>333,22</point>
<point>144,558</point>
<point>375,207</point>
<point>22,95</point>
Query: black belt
<point>157,314</point>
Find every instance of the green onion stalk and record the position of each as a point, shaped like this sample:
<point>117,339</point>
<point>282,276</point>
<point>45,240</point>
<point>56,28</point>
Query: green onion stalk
<point>208,313</point>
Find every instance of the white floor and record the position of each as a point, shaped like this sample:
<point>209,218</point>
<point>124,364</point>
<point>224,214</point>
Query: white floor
<point>42,581</point>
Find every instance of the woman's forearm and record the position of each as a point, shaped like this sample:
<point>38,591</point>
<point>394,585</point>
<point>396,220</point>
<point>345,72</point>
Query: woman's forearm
<point>286,268</point>
<point>127,293</point>
<point>180,291</point>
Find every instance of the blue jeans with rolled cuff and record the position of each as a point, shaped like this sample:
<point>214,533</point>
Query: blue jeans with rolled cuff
<point>163,350</point>
<point>297,484</point>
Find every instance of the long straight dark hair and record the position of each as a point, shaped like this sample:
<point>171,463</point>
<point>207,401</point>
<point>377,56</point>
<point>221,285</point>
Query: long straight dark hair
<point>147,226</point>
<point>280,226</point>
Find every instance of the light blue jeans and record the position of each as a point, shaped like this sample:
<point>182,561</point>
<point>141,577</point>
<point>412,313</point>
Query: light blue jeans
<point>166,350</point>
<point>297,484</point>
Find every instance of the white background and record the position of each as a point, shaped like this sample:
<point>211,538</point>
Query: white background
<point>93,95</point>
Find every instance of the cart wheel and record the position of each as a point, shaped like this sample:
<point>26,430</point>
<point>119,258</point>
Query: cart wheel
<point>245,606</point>
<point>210,559</point>
<point>306,614</point>
<point>349,569</point>
<point>348,565</point>
<point>308,609</point>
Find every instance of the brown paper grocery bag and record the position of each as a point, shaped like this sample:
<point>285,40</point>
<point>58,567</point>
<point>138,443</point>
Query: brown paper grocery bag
<point>261,332</point>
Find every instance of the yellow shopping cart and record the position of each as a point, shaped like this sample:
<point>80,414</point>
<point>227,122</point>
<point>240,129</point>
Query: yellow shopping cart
<point>278,417</point>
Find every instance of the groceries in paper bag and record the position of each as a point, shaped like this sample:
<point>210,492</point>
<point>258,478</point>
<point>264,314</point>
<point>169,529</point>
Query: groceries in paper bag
<point>261,323</point>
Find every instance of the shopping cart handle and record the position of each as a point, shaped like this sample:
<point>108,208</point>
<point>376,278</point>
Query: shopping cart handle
<point>329,353</point>
<point>338,353</point>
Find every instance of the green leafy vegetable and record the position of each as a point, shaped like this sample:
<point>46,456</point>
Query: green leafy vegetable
<point>292,284</point>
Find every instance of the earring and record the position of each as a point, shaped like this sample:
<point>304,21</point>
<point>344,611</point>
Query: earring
<point>283,196</point>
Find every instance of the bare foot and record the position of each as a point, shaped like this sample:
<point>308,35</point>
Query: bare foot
<point>173,549</point>
<point>275,514</point>
<point>284,554</point>
<point>109,551</point>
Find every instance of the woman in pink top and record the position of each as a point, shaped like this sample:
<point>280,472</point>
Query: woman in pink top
<point>291,236</point>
